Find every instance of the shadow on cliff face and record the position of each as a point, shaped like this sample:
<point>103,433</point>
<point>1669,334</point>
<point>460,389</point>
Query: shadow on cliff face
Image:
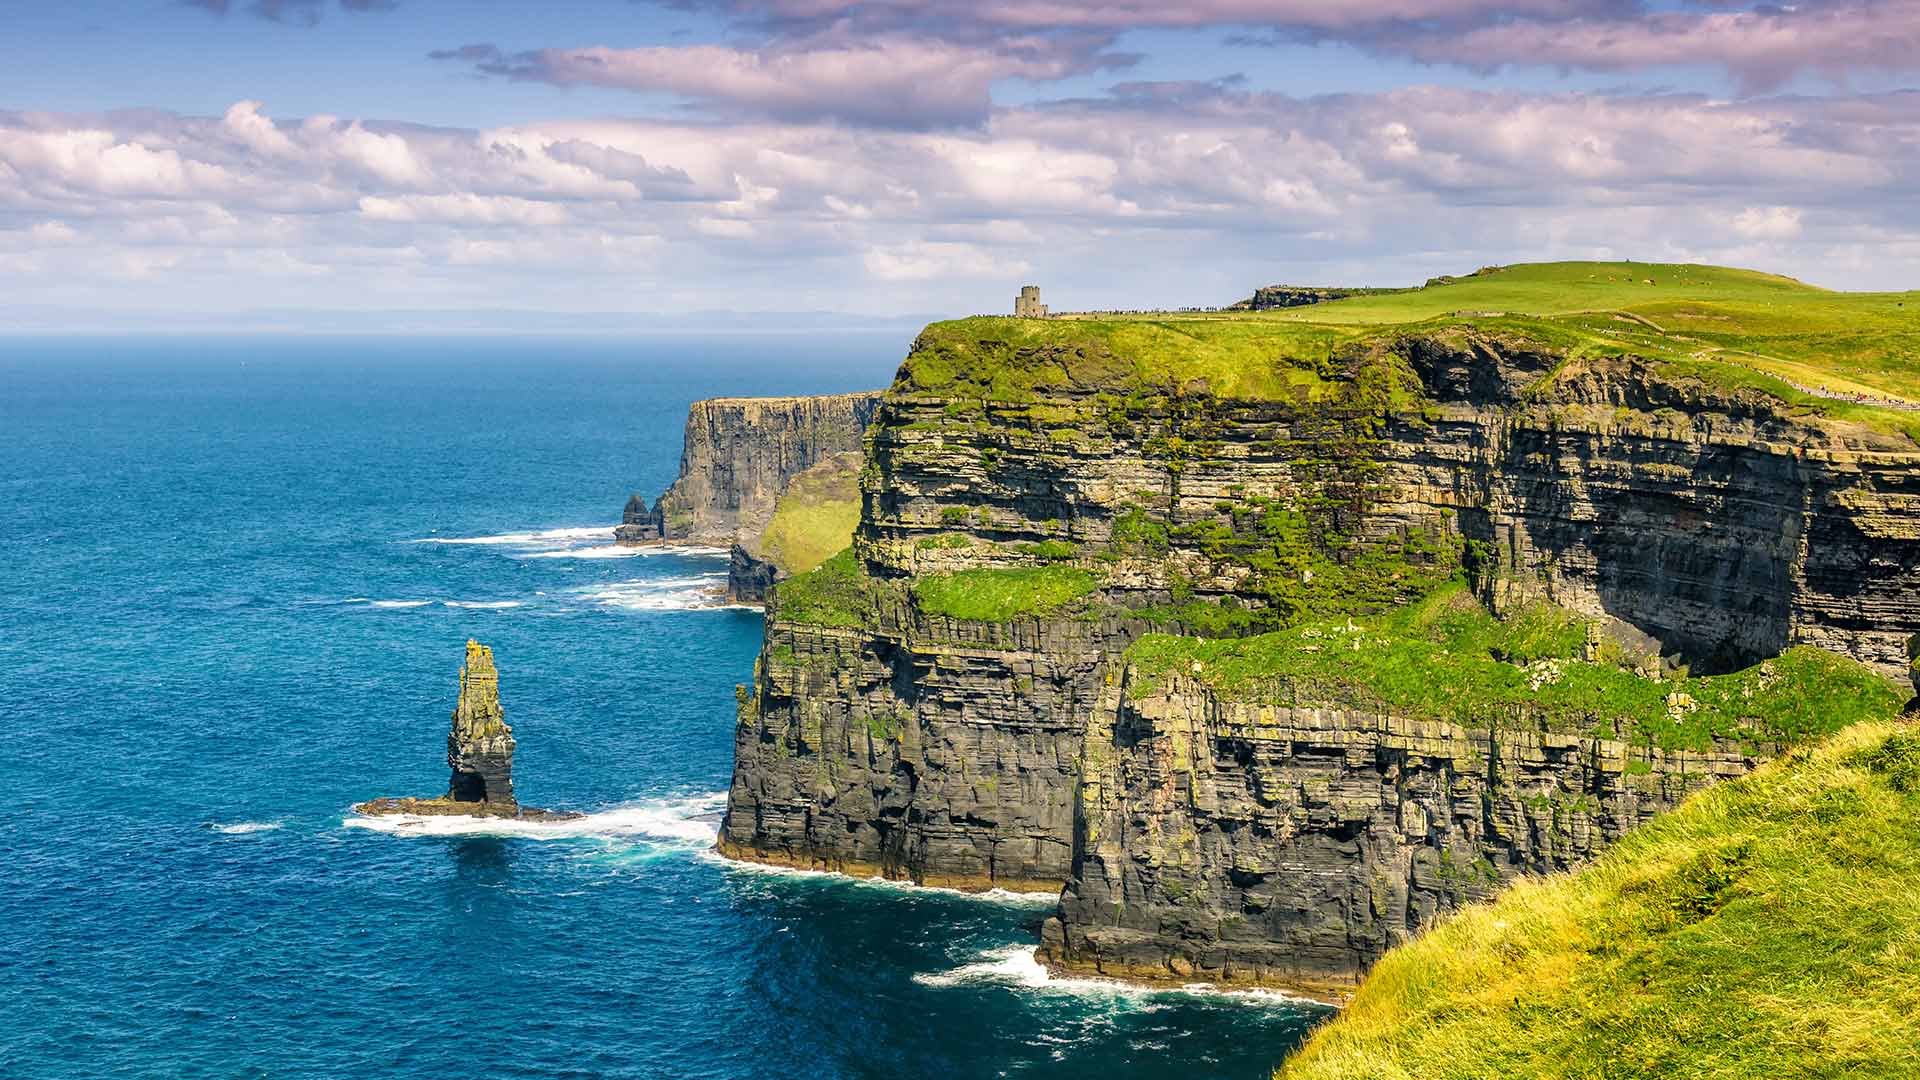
<point>1702,566</point>
<point>1692,545</point>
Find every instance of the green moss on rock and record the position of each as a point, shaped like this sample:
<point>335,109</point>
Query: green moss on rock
<point>997,595</point>
<point>1448,659</point>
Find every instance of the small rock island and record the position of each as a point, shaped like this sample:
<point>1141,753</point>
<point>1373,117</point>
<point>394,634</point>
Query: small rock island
<point>480,753</point>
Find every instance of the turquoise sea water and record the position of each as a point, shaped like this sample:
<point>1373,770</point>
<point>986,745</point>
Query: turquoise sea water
<point>227,611</point>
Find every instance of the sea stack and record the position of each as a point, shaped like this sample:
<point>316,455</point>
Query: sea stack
<point>479,752</point>
<point>636,523</point>
<point>480,744</point>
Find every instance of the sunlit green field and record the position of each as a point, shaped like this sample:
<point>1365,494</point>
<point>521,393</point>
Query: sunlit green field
<point>1817,349</point>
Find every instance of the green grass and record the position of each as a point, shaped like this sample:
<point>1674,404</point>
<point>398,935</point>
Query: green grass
<point>1727,327</point>
<point>816,515</point>
<point>997,595</point>
<point>1446,658</point>
<point>835,593</point>
<point>1767,929</point>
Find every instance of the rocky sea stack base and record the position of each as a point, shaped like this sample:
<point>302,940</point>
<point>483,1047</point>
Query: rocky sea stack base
<point>480,753</point>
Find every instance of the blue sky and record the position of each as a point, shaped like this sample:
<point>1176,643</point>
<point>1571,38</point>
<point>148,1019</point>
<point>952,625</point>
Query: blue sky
<point>874,156</point>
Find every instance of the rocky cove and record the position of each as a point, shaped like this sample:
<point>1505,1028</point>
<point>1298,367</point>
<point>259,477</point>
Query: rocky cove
<point>1096,632</point>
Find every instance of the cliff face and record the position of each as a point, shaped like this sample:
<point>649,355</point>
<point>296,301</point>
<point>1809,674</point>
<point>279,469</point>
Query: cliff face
<point>1296,844</point>
<point>1289,839</point>
<point>740,454</point>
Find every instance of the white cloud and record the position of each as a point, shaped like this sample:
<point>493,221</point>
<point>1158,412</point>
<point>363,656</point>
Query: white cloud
<point>1767,222</point>
<point>462,208</point>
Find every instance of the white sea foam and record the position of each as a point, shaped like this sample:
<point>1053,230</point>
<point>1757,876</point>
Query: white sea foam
<point>685,820</point>
<point>541,536</point>
<point>994,896</point>
<point>240,828</point>
<point>400,603</point>
<point>1014,965</point>
<point>488,605</point>
<point>622,551</point>
<point>662,594</point>
<point>1019,967</point>
<point>606,551</point>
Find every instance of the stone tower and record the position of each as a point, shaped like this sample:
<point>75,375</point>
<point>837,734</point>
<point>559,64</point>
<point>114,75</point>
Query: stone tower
<point>1027,305</point>
<point>480,744</point>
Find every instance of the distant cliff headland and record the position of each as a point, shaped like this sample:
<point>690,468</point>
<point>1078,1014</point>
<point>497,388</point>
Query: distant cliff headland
<point>775,480</point>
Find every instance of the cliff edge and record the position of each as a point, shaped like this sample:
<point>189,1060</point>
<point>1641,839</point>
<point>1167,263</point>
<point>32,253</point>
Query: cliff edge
<point>774,480</point>
<point>1764,928</point>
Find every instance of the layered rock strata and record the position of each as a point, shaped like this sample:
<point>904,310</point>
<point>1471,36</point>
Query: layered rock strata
<point>479,752</point>
<point>1294,844</point>
<point>918,747</point>
<point>1718,524</point>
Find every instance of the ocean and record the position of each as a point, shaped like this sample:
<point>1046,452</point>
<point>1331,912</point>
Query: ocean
<point>238,575</point>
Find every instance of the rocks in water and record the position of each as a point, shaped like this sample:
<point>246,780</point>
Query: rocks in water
<point>636,522</point>
<point>749,577</point>
<point>479,753</point>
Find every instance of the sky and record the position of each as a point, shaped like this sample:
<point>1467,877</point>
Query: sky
<point>169,159</point>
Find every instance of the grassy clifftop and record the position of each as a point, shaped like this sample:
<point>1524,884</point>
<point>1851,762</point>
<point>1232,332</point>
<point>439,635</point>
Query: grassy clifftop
<point>1768,928</point>
<point>1845,354</point>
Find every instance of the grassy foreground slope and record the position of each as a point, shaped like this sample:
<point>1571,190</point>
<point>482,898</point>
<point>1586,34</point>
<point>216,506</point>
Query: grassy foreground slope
<point>1768,928</point>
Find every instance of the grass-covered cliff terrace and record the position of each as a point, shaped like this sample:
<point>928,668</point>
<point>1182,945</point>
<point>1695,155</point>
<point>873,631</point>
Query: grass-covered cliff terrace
<point>1846,355</point>
<point>1446,658</point>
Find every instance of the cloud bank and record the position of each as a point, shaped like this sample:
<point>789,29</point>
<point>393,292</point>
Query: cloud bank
<point>1159,193</point>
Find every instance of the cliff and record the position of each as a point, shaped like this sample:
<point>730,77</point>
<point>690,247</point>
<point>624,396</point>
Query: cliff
<point>963,697</point>
<point>740,454</point>
<point>813,520</point>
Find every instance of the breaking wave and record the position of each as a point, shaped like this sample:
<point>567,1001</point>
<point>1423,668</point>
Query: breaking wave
<point>995,896</point>
<point>703,591</point>
<point>241,828</point>
<point>484,605</point>
<point>1019,967</point>
<point>532,537</point>
<point>691,821</point>
<point>621,551</point>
